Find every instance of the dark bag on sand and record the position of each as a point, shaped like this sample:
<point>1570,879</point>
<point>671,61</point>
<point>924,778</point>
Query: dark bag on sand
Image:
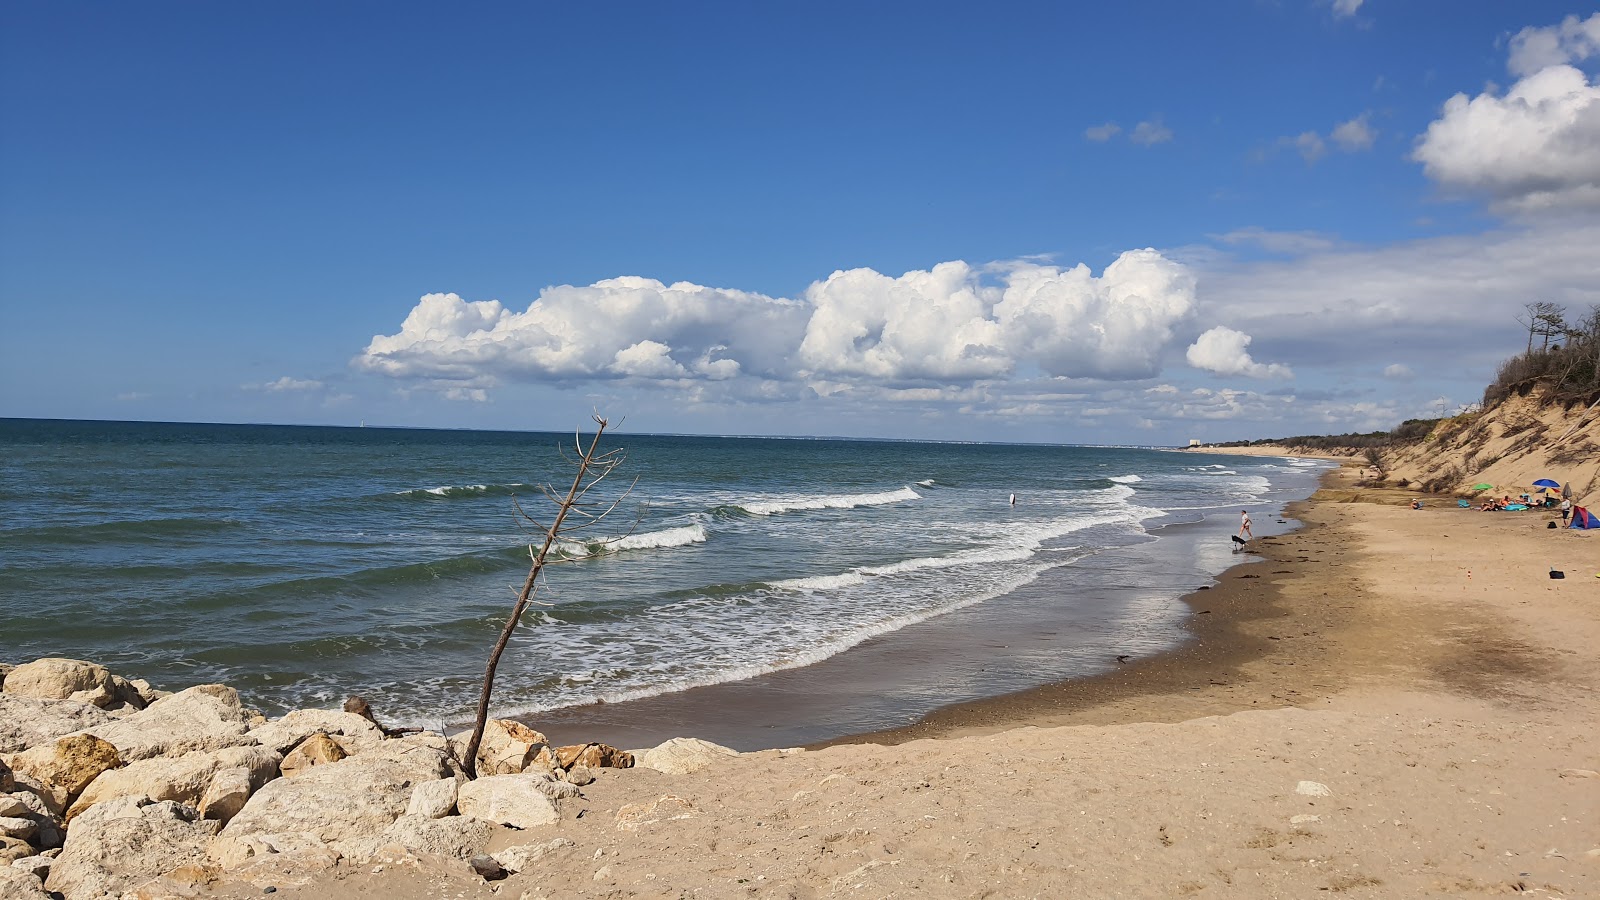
<point>1550,525</point>
<point>1557,573</point>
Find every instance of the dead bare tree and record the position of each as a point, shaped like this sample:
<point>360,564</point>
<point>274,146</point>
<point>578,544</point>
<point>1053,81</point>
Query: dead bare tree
<point>591,467</point>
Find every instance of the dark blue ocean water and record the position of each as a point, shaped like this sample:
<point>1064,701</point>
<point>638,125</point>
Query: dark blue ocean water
<point>303,564</point>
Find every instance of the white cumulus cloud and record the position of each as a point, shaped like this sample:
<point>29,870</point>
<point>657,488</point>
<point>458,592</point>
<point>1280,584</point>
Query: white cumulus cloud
<point>287,384</point>
<point>1538,145</point>
<point>1224,351</point>
<point>952,325</point>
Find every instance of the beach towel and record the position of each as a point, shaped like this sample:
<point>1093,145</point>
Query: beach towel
<point>1464,504</point>
<point>1582,518</point>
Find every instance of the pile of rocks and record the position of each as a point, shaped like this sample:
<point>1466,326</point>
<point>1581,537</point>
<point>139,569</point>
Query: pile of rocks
<point>109,787</point>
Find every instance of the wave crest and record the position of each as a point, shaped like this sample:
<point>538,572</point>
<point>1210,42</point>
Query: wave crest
<point>826,501</point>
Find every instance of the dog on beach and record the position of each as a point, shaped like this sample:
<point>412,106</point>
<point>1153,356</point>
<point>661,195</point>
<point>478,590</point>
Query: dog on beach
<point>1238,543</point>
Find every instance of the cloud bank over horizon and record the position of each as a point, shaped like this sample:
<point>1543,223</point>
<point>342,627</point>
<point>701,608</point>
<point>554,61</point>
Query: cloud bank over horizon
<point>952,325</point>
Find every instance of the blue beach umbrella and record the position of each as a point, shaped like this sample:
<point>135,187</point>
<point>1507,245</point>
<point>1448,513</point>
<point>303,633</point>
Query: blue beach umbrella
<point>1545,482</point>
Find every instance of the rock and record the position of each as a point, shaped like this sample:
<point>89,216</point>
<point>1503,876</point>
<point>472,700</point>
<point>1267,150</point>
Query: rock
<point>433,799</point>
<point>594,756</point>
<point>16,884</point>
<point>680,756</point>
<point>460,837</point>
<point>204,717</point>
<point>488,868</point>
<point>12,849</point>
<point>352,732</point>
<point>344,803</point>
<point>525,856</point>
<point>55,678</point>
<point>184,779</point>
<point>7,782</point>
<point>126,693</point>
<point>27,722</point>
<point>116,845</point>
<point>1312,789</point>
<point>579,775</point>
<point>516,800</point>
<point>13,827</point>
<point>316,750</point>
<point>12,806</point>
<point>662,809</point>
<point>290,852</point>
<point>228,792</point>
<point>508,747</point>
<point>67,766</point>
<point>37,866</point>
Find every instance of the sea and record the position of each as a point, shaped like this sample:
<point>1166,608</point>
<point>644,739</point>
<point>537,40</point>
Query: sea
<point>754,591</point>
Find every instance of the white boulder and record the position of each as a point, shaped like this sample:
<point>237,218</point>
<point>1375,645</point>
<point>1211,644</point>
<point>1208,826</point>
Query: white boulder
<point>682,755</point>
<point>28,722</point>
<point>433,799</point>
<point>516,800</point>
<point>204,717</point>
<point>116,845</point>
<point>352,732</point>
<point>184,779</point>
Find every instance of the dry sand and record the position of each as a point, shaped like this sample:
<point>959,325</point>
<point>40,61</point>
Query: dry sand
<point>1356,714</point>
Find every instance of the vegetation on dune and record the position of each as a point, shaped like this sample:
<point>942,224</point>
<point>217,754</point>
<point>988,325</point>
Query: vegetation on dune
<point>1571,369</point>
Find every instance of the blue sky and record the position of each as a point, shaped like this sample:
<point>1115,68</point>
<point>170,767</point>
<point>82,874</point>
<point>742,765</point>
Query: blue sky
<point>857,219</point>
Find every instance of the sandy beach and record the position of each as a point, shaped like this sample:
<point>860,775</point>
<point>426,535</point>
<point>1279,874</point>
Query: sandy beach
<point>1386,703</point>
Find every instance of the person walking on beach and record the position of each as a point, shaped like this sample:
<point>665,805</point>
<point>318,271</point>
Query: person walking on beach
<point>1244,524</point>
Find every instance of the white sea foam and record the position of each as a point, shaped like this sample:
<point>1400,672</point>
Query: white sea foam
<point>1125,479</point>
<point>926,482</point>
<point>666,538</point>
<point>826,501</point>
<point>820,582</point>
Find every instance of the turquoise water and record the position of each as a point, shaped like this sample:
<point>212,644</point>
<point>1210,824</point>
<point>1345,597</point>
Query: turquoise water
<point>303,564</point>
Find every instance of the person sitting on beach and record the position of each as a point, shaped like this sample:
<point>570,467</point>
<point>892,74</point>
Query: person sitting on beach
<point>1416,504</point>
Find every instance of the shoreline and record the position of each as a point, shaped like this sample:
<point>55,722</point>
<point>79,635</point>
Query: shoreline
<point>1226,626</point>
<point>1064,627</point>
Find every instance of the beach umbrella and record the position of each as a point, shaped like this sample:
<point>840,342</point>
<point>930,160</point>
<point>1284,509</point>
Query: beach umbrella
<point>1480,486</point>
<point>1566,492</point>
<point>1546,482</point>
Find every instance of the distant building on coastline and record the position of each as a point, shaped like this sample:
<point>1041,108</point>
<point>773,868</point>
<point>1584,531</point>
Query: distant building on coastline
<point>1194,442</point>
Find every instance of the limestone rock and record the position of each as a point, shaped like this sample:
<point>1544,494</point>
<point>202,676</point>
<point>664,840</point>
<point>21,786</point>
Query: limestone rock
<point>352,732</point>
<point>682,755</point>
<point>116,845</point>
<point>508,747</point>
<point>28,722</point>
<point>12,806</point>
<point>66,767</point>
<point>525,856</point>
<point>662,809</point>
<point>459,837</point>
<point>13,849</point>
<point>1312,789</point>
<point>433,799</point>
<point>228,792</point>
<point>184,779</point>
<point>579,775</point>
<point>316,750</point>
<point>204,717</point>
<point>298,852</point>
<point>13,827</point>
<point>515,800</point>
<point>7,782</point>
<point>593,756</point>
<point>340,803</point>
<point>55,678</point>
<point>17,884</point>
<point>37,866</point>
